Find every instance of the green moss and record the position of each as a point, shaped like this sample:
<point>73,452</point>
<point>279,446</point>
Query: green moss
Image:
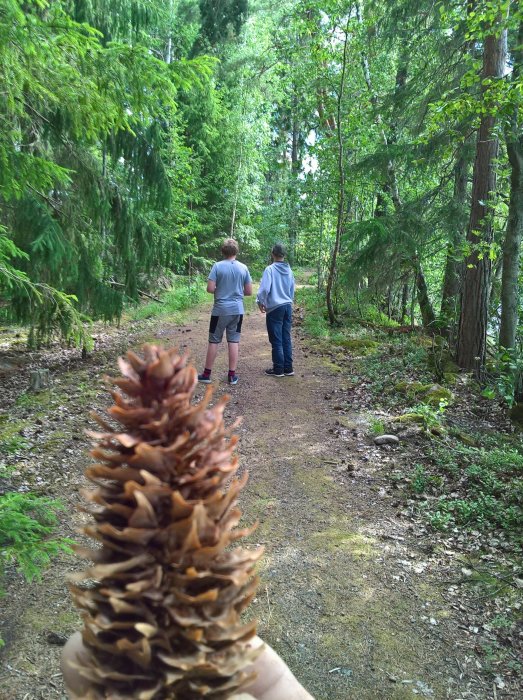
<point>377,616</point>
<point>411,388</point>
<point>67,620</point>
<point>332,366</point>
<point>11,441</point>
<point>38,619</point>
<point>463,437</point>
<point>436,394</point>
<point>401,387</point>
<point>450,367</point>
<point>450,378</point>
<point>358,545</point>
<point>55,441</point>
<point>408,418</point>
<point>315,480</point>
<point>429,393</point>
<point>370,616</point>
<point>357,343</point>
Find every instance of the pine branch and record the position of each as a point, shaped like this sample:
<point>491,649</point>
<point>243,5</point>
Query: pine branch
<point>140,291</point>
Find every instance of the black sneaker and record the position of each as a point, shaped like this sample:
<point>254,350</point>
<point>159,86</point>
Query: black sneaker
<point>204,379</point>
<point>233,380</point>
<point>289,373</point>
<point>272,373</point>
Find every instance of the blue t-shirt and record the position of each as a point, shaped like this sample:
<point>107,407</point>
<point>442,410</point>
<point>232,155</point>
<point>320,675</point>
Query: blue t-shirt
<point>230,276</point>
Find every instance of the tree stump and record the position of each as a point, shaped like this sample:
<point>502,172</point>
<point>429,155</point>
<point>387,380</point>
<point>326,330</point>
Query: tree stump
<point>39,379</point>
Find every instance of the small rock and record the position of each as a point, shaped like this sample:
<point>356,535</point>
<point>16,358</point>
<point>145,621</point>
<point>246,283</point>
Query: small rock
<point>386,440</point>
<point>56,638</point>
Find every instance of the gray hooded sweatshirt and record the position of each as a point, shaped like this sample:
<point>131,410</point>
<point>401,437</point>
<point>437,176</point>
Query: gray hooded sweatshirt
<point>276,286</point>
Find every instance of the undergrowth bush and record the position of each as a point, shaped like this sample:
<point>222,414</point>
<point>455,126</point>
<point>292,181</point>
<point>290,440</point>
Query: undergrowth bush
<point>316,320</point>
<point>11,444</point>
<point>505,376</point>
<point>182,296</point>
<point>368,312</point>
<point>471,487</point>
<point>482,489</point>
<point>396,362</point>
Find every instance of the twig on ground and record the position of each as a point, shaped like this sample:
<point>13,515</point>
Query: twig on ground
<point>268,604</point>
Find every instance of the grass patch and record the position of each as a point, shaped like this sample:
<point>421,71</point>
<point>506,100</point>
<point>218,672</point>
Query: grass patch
<point>12,444</point>
<point>182,296</point>
<point>368,313</point>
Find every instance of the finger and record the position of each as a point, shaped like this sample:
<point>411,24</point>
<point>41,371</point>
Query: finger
<point>275,680</point>
<point>74,653</point>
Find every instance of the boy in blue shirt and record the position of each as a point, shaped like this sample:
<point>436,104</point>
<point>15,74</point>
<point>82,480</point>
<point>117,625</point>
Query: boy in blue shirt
<point>229,281</point>
<point>275,297</point>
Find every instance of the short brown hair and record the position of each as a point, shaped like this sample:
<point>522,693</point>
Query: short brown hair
<point>229,247</point>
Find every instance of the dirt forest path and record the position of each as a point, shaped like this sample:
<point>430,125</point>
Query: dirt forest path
<point>349,593</point>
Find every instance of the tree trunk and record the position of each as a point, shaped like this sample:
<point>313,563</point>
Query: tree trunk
<point>514,233</point>
<point>454,263</point>
<point>319,266</point>
<point>39,379</point>
<point>511,250</point>
<point>472,339</point>
<point>404,301</point>
<point>341,191</point>
<point>428,316</point>
<point>295,169</point>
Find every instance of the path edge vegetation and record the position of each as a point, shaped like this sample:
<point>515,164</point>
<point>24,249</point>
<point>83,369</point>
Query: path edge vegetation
<point>28,520</point>
<point>457,474</point>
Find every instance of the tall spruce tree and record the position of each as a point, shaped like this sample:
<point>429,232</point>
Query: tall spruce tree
<point>472,339</point>
<point>89,162</point>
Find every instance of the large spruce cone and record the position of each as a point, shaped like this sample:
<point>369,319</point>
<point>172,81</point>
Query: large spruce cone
<point>162,617</point>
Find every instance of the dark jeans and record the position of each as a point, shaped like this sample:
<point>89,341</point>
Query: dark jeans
<point>279,322</point>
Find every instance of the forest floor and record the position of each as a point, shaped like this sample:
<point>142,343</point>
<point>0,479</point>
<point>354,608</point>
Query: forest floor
<point>356,596</point>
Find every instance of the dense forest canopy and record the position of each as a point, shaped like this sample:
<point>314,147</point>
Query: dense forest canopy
<point>382,141</point>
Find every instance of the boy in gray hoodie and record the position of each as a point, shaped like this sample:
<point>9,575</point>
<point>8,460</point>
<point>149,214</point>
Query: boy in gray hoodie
<point>275,297</point>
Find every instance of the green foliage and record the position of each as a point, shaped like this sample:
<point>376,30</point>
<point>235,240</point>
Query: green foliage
<point>482,488</point>
<point>26,524</point>
<point>137,134</point>
<point>419,479</point>
<point>315,319</point>
<point>94,164</point>
<point>394,365</point>
<point>11,444</point>
<point>505,376</point>
<point>377,426</point>
<point>430,417</point>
